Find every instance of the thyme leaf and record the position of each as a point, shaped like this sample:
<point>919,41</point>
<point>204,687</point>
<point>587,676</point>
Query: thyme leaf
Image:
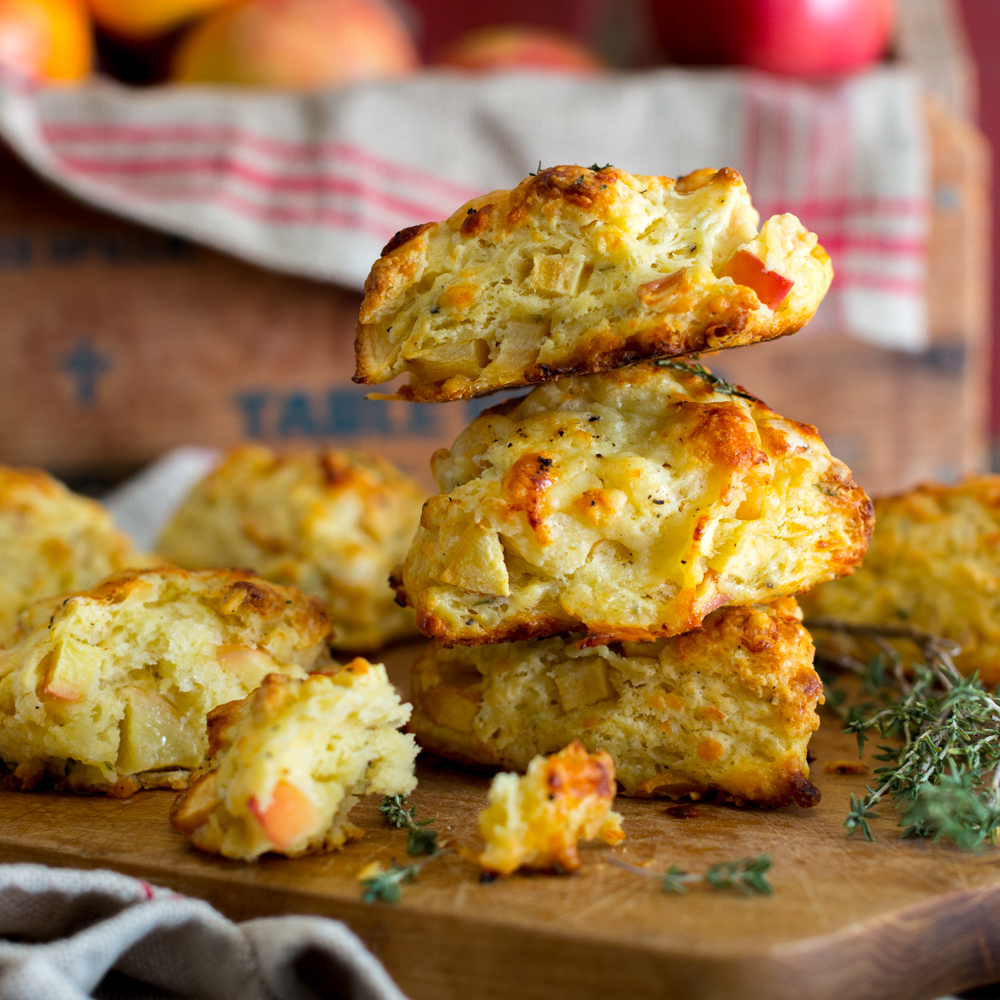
<point>420,840</point>
<point>718,383</point>
<point>386,886</point>
<point>941,767</point>
<point>746,875</point>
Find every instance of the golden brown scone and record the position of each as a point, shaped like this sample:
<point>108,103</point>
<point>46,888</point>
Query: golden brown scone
<point>577,270</point>
<point>290,760</point>
<point>629,505</point>
<point>108,690</point>
<point>725,711</point>
<point>934,563</point>
<point>535,822</point>
<point>52,541</point>
<point>333,523</point>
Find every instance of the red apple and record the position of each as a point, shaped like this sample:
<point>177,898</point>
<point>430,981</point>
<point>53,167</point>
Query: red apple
<point>794,37</point>
<point>515,47</point>
<point>303,44</point>
<point>748,269</point>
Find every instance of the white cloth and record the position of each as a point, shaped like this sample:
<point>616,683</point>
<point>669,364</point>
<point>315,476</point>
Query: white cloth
<point>142,505</point>
<point>315,185</point>
<point>65,933</point>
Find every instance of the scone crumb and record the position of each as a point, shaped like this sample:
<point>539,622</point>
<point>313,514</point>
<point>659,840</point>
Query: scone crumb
<point>535,821</point>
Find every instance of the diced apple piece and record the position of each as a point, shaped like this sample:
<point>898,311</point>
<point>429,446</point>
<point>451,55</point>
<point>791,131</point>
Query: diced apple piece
<point>746,268</point>
<point>447,706</point>
<point>581,683</point>
<point>446,360</point>
<point>245,662</point>
<point>72,668</point>
<point>555,274</point>
<point>478,564</point>
<point>154,735</point>
<point>291,815</point>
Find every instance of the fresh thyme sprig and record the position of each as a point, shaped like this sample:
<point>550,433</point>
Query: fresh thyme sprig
<point>718,383</point>
<point>386,885</point>
<point>420,839</point>
<point>943,767</point>
<point>747,875</point>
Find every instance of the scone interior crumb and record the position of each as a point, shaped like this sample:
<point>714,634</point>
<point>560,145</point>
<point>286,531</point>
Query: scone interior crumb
<point>290,761</point>
<point>535,821</point>
<point>110,688</point>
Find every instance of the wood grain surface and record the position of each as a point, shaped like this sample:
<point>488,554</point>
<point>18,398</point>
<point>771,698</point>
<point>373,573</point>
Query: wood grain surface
<point>849,920</point>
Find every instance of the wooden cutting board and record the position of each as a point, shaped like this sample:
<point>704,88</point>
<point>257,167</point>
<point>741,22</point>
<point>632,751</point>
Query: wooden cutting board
<point>849,920</point>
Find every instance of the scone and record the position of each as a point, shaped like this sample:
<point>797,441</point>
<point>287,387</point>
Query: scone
<point>332,523</point>
<point>52,541</point>
<point>582,270</point>
<point>627,505</point>
<point>725,711</point>
<point>535,822</point>
<point>291,759</point>
<point>934,563</point>
<point>108,690</point>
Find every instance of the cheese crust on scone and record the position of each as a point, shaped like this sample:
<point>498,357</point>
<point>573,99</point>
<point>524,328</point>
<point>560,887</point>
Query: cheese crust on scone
<point>628,505</point>
<point>52,541</point>
<point>108,690</point>
<point>934,563</point>
<point>291,760</point>
<point>535,821</point>
<point>577,270</point>
<point>333,523</point>
<point>725,711</point>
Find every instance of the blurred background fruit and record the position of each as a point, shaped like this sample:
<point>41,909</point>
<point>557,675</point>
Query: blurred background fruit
<point>302,44</point>
<point>441,23</point>
<point>794,37</point>
<point>45,40</point>
<point>517,47</point>
<point>144,19</point>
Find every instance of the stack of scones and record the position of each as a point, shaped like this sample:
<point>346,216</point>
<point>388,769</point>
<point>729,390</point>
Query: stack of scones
<point>612,557</point>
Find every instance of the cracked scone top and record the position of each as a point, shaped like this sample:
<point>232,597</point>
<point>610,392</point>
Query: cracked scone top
<point>724,711</point>
<point>577,270</point>
<point>333,523</point>
<point>627,505</point>
<point>290,761</point>
<point>52,541</point>
<point>108,690</point>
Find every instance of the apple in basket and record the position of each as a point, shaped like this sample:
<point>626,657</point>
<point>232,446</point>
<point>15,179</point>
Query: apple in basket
<point>140,20</point>
<point>795,37</point>
<point>301,44</point>
<point>515,47</point>
<point>45,41</point>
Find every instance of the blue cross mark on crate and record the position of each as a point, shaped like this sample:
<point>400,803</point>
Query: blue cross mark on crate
<point>85,364</point>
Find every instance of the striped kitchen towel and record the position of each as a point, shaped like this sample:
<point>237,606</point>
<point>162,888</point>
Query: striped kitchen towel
<point>316,184</point>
